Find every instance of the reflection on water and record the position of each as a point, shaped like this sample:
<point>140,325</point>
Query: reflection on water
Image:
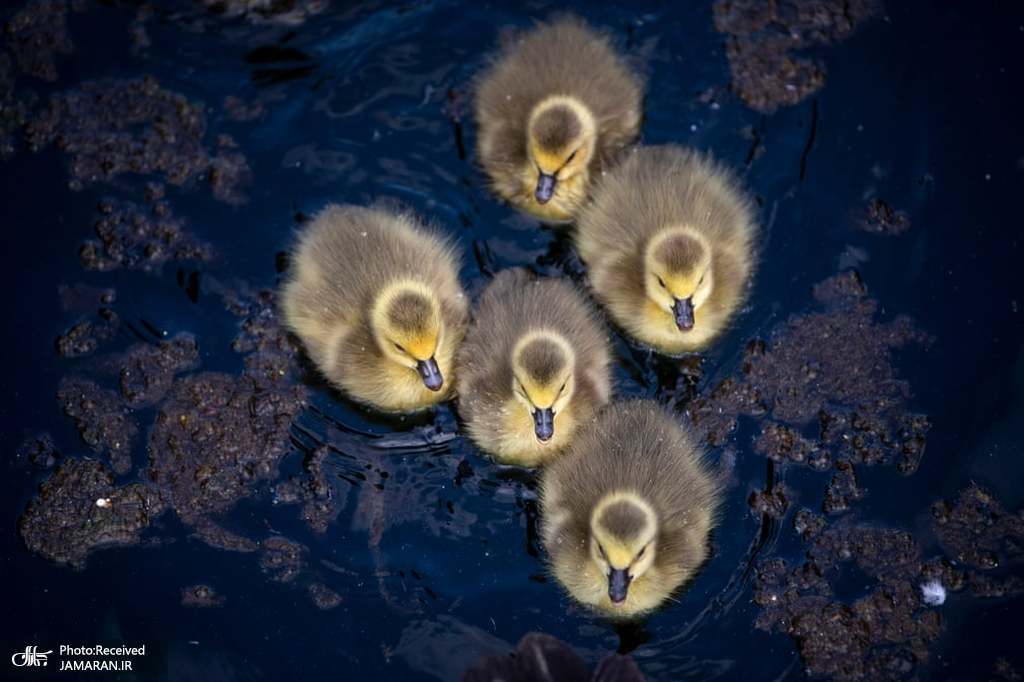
<point>860,412</point>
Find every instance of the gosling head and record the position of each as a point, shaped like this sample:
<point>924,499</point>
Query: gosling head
<point>623,541</point>
<point>542,379</point>
<point>560,141</point>
<point>677,274</point>
<point>408,328</point>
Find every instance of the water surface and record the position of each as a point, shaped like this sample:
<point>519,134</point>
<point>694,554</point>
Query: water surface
<point>434,551</point>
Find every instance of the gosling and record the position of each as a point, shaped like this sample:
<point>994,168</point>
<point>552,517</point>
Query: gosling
<point>376,301</point>
<point>670,242</point>
<point>627,510</point>
<point>533,370</point>
<point>554,108</point>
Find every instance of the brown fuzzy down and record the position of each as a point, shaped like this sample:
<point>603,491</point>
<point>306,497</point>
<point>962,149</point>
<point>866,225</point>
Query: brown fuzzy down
<point>564,56</point>
<point>634,446</point>
<point>658,187</point>
<point>542,358</point>
<point>623,520</point>
<point>343,258</point>
<point>409,311</point>
<point>511,306</point>
<point>680,252</point>
<point>556,127</point>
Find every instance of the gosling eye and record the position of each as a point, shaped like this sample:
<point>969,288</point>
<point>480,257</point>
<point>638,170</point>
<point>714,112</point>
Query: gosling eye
<point>600,549</point>
<point>572,156</point>
<point>399,347</point>
<point>661,283</point>
<point>643,550</point>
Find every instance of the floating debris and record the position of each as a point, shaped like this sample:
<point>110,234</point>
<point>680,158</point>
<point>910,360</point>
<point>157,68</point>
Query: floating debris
<point>103,421</point>
<point>37,34</point>
<point>763,40</point>
<point>78,509</point>
<point>216,437</point>
<point>323,597</point>
<point>808,525</point>
<point>238,110</point>
<point>85,336</point>
<point>13,109</point>
<point>782,443</point>
<point>933,593</point>
<point>39,451</point>
<point>110,127</point>
<point>990,587</point>
<point>282,559</point>
<point>888,631</point>
<point>320,503</point>
<point>976,530</point>
<point>883,219</point>
<point>1004,670</point>
<point>842,490</point>
<point>883,634</point>
<point>137,28</point>
<point>229,172</point>
<point>221,538</point>
<point>201,597</point>
<point>261,328</point>
<point>147,371</point>
<point>130,236</point>
<point>773,502</point>
<point>830,368</point>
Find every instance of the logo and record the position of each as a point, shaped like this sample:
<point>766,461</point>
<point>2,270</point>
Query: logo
<point>31,656</point>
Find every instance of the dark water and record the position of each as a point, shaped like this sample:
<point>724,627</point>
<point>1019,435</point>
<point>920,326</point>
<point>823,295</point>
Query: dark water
<point>921,108</point>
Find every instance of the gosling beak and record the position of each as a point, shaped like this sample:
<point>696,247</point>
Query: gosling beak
<point>430,373</point>
<point>683,309</point>
<point>544,423</point>
<point>618,585</point>
<point>545,188</point>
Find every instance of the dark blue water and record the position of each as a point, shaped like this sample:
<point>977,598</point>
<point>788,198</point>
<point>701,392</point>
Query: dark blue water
<point>921,107</point>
